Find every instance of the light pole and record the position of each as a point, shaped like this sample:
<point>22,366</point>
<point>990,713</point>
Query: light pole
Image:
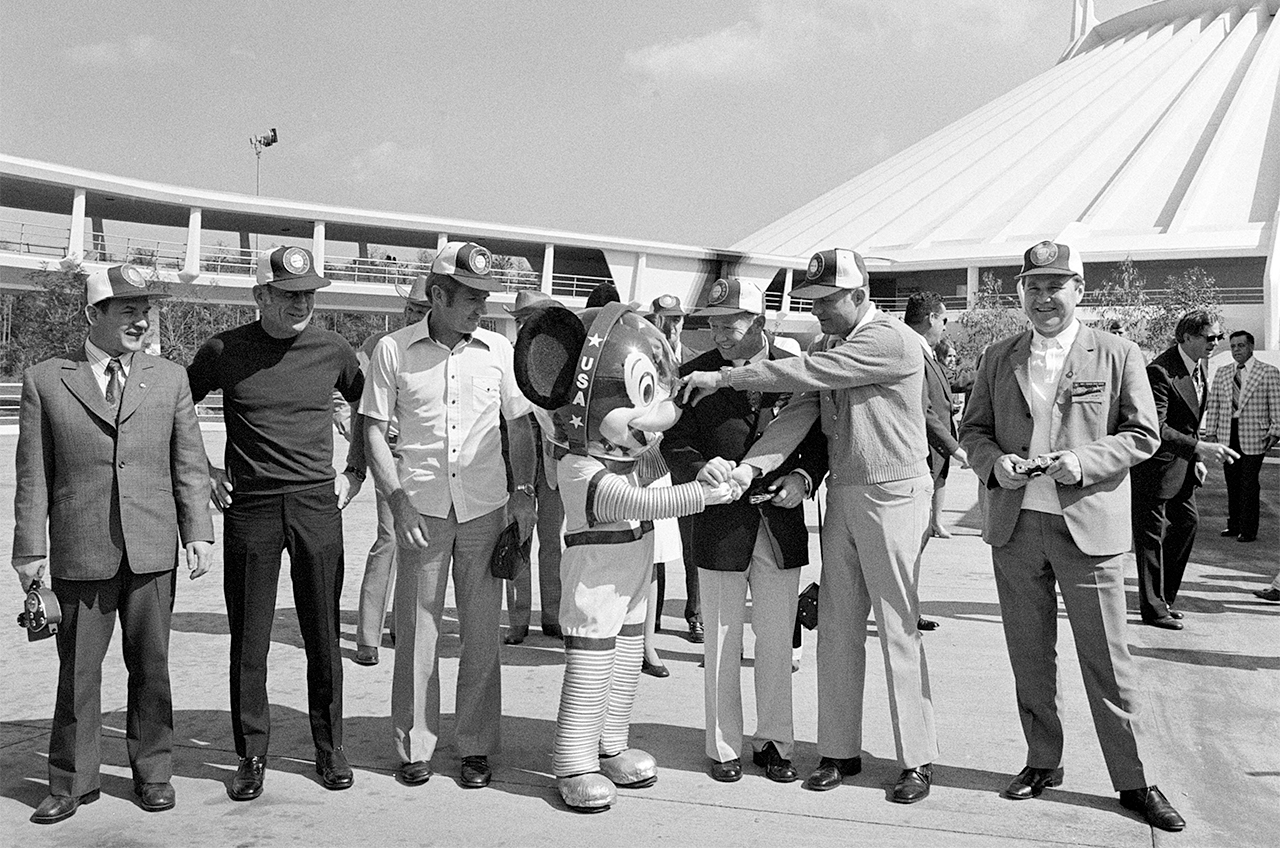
<point>260,143</point>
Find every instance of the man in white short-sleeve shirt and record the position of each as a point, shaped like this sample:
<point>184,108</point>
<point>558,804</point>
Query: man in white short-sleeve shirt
<point>446,382</point>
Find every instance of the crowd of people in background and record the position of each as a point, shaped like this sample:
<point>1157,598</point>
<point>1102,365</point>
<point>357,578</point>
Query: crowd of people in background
<point>1082,450</point>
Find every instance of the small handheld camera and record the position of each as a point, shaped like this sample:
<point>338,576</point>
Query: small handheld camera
<point>1032,468</point>
<point>758,498</point>
<point>41,613</point>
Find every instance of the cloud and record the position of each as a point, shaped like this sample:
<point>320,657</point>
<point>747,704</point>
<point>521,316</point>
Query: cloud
<point>137,50</point>
<point>389,162</point>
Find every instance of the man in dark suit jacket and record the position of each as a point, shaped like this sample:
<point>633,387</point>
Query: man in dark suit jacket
<point>1057,417</point>
<point>1164,486</point>
<point>110,474</point>
<point>742,544</point>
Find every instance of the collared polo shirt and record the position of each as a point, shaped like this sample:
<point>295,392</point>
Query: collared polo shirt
<point>446,403</point>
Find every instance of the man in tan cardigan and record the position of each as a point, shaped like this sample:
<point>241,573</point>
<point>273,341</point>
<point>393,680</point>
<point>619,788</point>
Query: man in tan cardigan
<point>864,379</point>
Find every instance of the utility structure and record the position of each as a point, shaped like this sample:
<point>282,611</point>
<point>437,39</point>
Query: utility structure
<point>260,143</point>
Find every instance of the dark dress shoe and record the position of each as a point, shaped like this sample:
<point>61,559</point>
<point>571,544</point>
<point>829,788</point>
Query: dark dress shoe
<point>1030,782</point>
<point>55,808</point>
<point>1173,613</point>
<point>366,656</point>
<point>475,772</point>
<point>1268,594</point>
<point>415,773</point>
<point>1151,804</point>
<point>913,785</point>
<point>1166,622</point>
<point>247,784</point>
<point>155,797</point>
<point>831,771</point>
<point>697,635</point>
<point>654,669</point>
<point>927,624</point>
<point>728,771</point>
<point>515,635</point>
<point>1252,537</point>
<point>334,770</point>
<point>553,630</point>
<point>1228,533</point>
<point>776,767</point>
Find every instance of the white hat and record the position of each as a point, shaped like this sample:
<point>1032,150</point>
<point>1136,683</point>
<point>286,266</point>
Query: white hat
<point>118,281</point>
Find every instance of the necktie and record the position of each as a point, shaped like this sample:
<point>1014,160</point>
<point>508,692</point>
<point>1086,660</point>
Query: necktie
<point>114,384</point>
<point>1236,381</point>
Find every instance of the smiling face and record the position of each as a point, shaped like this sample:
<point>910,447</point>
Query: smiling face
<point>838,313</point>
<point>117,325</point>
<point>737,336</point>
<point>284,314</point>
<point>1050,301</point>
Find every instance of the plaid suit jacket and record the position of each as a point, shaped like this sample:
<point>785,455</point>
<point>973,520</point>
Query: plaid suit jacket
<point>1259,407</point>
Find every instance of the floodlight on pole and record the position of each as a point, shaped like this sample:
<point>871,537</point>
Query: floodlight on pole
<point>260,143</point>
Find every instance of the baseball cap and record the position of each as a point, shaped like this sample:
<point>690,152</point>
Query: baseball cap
<point>529,301</point>
<point>1048,257</point>
<point>468,263</point>
<point>831,271</point>
<point>418,291</point>
<point>667,305</point>
<point>289,268</point>
<point>731,296</point>
<point>118,281</point>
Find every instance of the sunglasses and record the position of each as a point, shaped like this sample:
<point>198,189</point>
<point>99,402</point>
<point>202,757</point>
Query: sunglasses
<point>1214,339</point>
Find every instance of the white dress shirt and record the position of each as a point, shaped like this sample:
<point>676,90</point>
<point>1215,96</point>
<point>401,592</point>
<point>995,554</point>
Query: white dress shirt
<point>1044,371</point>
<point>98,359</point>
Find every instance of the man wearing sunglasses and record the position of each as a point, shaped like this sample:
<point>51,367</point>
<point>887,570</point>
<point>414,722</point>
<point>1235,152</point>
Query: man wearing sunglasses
<point>1164,486</point>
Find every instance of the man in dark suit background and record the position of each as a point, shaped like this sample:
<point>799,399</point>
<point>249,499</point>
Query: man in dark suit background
<point>1164,486</point>
<point>740,544</point>
<point>110,474</point>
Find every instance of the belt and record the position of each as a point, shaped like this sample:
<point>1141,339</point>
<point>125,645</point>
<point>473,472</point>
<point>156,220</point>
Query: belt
<point>608,537</point>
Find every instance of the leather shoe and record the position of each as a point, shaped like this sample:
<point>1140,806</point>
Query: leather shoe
<point>728,771</point>
<point>776,767</point>
<point>927,624</point>
<point>697,635</point>
<point>415,773</point>
<point>334,770</point>
<point>654,669</point>
<point>475,772</point>
<point>1166,622</point>
<point>366,655</point>
<point>831,771</point>
<point>247,784</point>
<point>1153,806</point>
<point>913,785</point>
<point>55,808</point>
<point>515,635</point>
<point>1175,613</point>
<point>1268,594</point>
<point>1252,537</point>
<point>1030,782</point>
<point>155,797</point>
<point>1228,533</point>
<point>553,630</point>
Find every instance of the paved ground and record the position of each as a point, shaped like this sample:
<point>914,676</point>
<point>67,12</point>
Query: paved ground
<point>1212,688</point>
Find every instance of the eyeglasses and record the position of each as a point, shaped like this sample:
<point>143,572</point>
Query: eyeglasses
<point>1214,339</point>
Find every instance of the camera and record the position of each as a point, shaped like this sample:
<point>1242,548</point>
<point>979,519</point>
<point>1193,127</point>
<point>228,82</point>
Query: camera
<point>41,613</point>
<point>1032,468</point>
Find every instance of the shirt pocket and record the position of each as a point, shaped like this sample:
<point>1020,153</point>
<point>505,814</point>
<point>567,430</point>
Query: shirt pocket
<point>486,393</point>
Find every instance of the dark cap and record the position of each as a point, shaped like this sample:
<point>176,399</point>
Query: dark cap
<point>290,269</point>
<point>1048,257</point>
<point>667,306</point>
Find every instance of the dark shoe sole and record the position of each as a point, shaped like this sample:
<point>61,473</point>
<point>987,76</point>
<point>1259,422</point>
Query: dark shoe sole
<point>639,784</point>
<point>87,798</point>
<point>1035,791</point>
<point>358,660</point>
<point>244,796</point>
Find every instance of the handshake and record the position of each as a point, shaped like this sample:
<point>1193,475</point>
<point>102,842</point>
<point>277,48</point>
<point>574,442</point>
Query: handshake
<point>724,481</point>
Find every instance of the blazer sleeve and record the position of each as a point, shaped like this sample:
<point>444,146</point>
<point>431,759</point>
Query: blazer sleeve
<point>977,429</point>
<point>1135,436</point>
<point>34,474</point>
<point>936,426</point>
<point>189,467</point>
<point>1162,391</point>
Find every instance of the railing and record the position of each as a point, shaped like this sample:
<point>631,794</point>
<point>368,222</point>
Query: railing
<point>224,259</point>
<point>145,253</point>
<point>37,239</point>
<point>575,285</point>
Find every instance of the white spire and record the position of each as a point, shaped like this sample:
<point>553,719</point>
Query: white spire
<point>1083,19</point>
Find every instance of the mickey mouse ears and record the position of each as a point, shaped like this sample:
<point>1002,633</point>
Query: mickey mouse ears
<point>546,356</point>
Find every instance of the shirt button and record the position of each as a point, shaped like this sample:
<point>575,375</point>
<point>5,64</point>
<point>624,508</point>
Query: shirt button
<point>122,463</point>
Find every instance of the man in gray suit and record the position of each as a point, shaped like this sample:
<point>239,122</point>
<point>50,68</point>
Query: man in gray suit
<point>110,475</point>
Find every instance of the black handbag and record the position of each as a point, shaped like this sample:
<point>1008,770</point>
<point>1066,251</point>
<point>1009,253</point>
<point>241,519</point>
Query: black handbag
<point>807,608</point>
<point>508,553</point>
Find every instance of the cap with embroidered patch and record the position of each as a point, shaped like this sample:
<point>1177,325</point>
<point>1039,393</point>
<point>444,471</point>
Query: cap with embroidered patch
<point>1048,257</point>
<point>468,263</point>
<point>732,296</point>
<point>289,268</point>
<point>119,281</point>
<point>667,306</point>
<point>831,271</point>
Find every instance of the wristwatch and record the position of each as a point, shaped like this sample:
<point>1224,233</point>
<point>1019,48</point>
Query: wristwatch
<point>526,488</point>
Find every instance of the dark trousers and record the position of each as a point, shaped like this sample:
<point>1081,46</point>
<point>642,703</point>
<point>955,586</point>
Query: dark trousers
<point>144,603</point>
<point>1243,489</point>
<point>692,604</point>
<point>257,528</point>
<point>1164,532</point>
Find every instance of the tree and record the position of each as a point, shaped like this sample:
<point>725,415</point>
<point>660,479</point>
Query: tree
<point>1194,288</point>
<point>44,323</point>
<point>1123,297</point>
<point>990,319</point>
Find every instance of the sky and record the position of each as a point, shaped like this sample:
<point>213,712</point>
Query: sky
<point>687,122</point>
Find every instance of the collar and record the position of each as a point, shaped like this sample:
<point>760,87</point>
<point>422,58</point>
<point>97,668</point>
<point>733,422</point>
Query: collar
<point>99,358</point>
<point>1064,339</point>
<point>1248,364</point>
<point>872,314</point>
<point>1192,365</point>
<point>759,356</point>
<point>928,349</point>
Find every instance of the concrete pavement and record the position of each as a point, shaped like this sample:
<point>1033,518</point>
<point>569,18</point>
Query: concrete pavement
<point>1212,691</point>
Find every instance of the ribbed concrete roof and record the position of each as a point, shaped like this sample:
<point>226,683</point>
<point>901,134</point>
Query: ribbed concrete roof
<point>1156,136</point>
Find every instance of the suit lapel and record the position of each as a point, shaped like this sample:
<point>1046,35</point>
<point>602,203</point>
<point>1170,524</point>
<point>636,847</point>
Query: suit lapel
<point>78,377</point>
<point>1019,360</point>
<point>136,387</point>
<point>1080,355</point>
<point>1183,381</point>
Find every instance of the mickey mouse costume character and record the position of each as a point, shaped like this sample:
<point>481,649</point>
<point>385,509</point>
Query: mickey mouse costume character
<point>609,377</point>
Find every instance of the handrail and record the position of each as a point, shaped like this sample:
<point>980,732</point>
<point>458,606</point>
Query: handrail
<point>39,239</point>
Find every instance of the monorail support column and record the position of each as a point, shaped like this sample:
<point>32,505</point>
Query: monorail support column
<point>317,246</point>
<point>75,244</point>
<point>786,289</point>
<point>548,265</point>
<point>1271,291</point>
<point>637,276</point>
<point>191,264</point>
<point>972,285</point>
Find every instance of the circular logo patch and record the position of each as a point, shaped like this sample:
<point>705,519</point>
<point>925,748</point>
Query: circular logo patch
<point>816,265</point>
<point>296,260</point>
<point>668,301</point>
<point>719,291</point>
<point>133,277</point>
<point>479,261</point>
<point>1044,253</point>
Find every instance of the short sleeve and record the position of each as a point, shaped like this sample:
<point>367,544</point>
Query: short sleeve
<point>379,399</point>
<point>514,403</point>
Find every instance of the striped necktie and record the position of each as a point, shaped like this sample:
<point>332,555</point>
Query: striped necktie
<point>114,384</point>
<point>1237,380</point>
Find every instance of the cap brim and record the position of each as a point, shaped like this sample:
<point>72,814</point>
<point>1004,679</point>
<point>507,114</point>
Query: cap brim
<point>488,284</point>
<point>1046,272</point>
<point>814,292</point>
<point>670,313</point>
<point>310,282</point>
<point>711,311</point>
<point>134,294</point>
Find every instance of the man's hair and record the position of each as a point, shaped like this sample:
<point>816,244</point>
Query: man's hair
<point>920,306</point>
<point>447,285</point>
<point>1193,323</point>
<point>1248,335</point>
<point>603,294</point>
